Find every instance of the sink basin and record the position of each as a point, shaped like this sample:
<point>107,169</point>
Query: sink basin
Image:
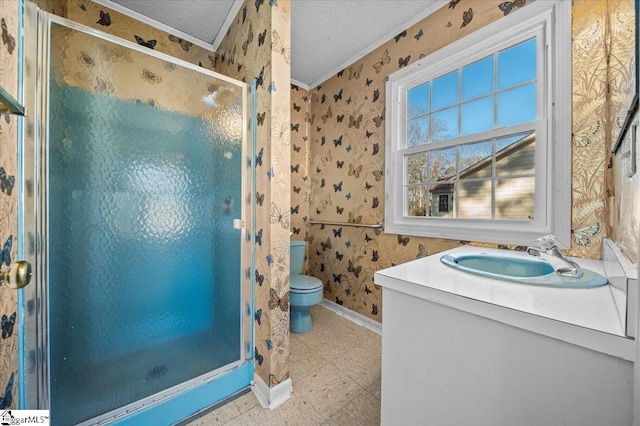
<point>519,269</point>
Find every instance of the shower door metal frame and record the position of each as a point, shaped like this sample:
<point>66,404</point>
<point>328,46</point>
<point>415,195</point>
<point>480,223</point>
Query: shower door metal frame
<point>35,389</point>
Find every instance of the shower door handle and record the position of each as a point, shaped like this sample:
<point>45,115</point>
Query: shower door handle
<point>18,275</point>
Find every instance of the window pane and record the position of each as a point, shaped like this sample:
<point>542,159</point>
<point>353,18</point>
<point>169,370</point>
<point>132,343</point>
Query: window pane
<point>515,198</point>
<point>445,90</point>
<point>477,79</point>
<point>477,116</point>
<point>475,160</point>
<point>517,106</point>
<point>444,124</point>
<point>517,64</point>
<point>441,200</point>
<point>515,155</point>
<point>442,164</point>
<point>474,200</point>
<point>418,101</point>
<point>416,168</point>
<point>418,131</point>
<point>417,201</point>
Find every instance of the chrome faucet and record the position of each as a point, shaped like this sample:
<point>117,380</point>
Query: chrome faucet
<point>548,251</point>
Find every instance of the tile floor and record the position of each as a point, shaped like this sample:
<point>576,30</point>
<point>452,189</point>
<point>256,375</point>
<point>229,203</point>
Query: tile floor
<point>335,369</point>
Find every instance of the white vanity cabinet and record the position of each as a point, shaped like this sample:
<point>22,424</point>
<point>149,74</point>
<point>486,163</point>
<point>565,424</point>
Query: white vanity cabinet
<point>452,356</point>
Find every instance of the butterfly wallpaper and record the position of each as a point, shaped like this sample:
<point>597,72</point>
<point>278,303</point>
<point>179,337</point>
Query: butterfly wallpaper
<point>301,120</point>
<point>599,29</point>
<point>9,54</point>
<point>57,7</point>
<point>345,161</point>
<point>257,46</point>
<point>110,21</point>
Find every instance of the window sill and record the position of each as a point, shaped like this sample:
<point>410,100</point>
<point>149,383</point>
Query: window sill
<point>511,232</point>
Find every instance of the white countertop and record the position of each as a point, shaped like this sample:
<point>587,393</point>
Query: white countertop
<point>587,317</point>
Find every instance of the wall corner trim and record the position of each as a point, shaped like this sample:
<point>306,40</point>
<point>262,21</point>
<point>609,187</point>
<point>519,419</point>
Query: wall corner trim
<point>268,397</point>
<point>300,84</point>
<point>353,316</point>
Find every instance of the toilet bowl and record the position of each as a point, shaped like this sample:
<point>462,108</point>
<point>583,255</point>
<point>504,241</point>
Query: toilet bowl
<point>305,291</point>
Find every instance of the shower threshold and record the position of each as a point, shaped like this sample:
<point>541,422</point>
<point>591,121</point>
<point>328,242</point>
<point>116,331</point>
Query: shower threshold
<point>110,384</point>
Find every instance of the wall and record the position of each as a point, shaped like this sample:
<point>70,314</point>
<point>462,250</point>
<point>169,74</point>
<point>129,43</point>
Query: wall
<point>300,183</point>
<point>87,13</point>
<point>257,45</point>
<point>622,190</point>
<point>591,125</point>
<point>10,51</point>
<point>57,7</point>
<point>346,152</point>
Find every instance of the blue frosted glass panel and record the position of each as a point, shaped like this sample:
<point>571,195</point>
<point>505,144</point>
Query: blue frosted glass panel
<point>517,106</point>
<point>445,91</point>
<point>477,116</point>
<point>477,79</point>
<point>444,124</point>
<point>144,281</point>
<point>517,64</point>
<point>418,100</point>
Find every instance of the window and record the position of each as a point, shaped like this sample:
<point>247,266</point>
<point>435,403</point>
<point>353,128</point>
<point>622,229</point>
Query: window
<point>479,133</point>
<point>443,203</point>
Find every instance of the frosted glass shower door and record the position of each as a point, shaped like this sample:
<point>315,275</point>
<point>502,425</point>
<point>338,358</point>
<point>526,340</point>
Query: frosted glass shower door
<point>144,181</point>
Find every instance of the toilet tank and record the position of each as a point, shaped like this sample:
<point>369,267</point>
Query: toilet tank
<point>296,261</point>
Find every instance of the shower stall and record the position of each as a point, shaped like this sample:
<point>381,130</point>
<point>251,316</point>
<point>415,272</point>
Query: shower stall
<point>136,213</point>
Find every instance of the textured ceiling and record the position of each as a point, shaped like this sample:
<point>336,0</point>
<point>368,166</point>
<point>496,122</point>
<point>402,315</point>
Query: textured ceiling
<point>326,35</point>
<point>200,19</point>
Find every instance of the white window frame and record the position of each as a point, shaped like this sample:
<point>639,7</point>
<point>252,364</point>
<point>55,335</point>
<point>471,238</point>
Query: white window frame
<point>550,19</point>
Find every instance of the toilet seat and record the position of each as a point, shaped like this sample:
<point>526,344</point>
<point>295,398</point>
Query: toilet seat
<point>303,284</point>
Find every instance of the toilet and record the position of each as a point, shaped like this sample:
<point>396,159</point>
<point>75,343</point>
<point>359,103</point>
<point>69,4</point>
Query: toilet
<point>305,291</point>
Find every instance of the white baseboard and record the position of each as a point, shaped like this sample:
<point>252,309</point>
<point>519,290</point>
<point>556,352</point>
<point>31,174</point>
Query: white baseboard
<point>353,316</point>
<point>271,397</point>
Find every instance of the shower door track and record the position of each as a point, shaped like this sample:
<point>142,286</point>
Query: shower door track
<point>33,228</point>
<point>126,410</point>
